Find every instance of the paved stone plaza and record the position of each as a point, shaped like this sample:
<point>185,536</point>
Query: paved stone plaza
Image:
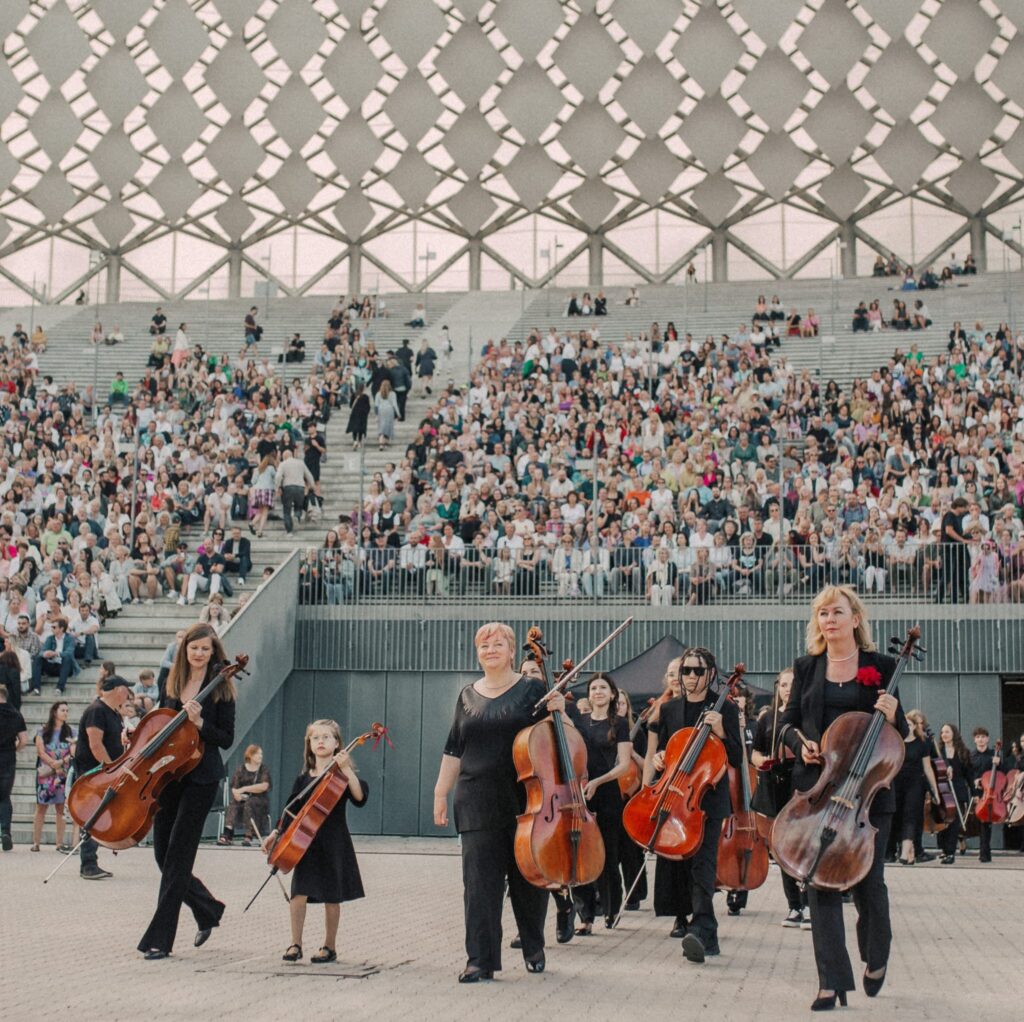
<point>70,949</point>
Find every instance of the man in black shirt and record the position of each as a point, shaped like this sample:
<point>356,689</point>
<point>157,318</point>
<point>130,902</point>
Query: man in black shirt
<point>954,549</point>
<point>981,765</point>
<point>687,888</point>
<point>13,736</point>
<point>100,741</point>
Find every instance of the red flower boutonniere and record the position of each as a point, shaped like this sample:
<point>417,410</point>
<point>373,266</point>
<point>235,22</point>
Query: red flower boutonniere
<point>869,677</point>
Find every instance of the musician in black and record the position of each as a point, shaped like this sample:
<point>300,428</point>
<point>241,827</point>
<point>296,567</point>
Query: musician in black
<point>981,768</point>
<point>736,901</point>
<point>477,763</point>
<point>685,889</point>
<point>961,777</point>
<point>185,804</point>
<point>843,673</point>
<point>100,741</point>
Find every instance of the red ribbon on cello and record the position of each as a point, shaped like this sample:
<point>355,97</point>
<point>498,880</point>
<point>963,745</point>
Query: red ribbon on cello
<point>383,733</point>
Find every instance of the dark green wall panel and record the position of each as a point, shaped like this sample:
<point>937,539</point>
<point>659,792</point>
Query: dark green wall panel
<point>365,695</point>
<point>402,757</point>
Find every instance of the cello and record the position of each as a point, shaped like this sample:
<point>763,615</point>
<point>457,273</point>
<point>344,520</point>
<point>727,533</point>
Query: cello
<point>743,849</point>
<point>558,844</point>
<point>1014,798</point>
<point>666,818</point>
<point>938,815</point>
<point>631,780</point>
<point>115,803</point>
<point>991,807</point>
<point>823,836</point>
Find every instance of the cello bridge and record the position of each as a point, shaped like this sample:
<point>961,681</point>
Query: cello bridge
<point>843,801</point>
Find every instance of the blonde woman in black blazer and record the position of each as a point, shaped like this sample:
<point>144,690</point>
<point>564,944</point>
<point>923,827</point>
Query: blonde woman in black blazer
<point>835,678</point>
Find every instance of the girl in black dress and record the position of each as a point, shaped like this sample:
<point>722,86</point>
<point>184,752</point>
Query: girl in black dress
<point>358,416</point>
<point>608,753</point>
<point>843,673</point>
<point>961,776</point>
<point>477,763</point>
<point>914,779</point>
<point>185,804</point>
<point>328,873</point>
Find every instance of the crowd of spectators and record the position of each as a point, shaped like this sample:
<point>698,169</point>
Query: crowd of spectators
<point>688,470</point>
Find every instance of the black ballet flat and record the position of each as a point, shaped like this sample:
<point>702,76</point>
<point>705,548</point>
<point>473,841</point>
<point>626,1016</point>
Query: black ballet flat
<point>828,1003</point>
<point>155,954</point>
<point>679,930</point>
<point>293,954</point>
<point>564,925</point>
<point>609,922</point>
<point>516,943</point>
<point>202,936</point>
<point>586,930</point>
<point>474,975</point>
<point>693,948</point>
<point>872,984</point>
<point>323,956</point>
<point>536,963</point>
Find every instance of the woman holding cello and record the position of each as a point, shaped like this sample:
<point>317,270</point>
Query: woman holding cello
<point>843,673</point>
<point>952,749</point>
<point>685,888</point>
<point>185,804</point>
<point>477,763</point>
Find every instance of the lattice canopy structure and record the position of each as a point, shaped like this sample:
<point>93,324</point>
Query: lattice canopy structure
<point>231,121</point>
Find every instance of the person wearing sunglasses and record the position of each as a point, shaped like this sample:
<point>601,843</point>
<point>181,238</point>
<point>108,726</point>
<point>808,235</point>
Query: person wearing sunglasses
<point>685,889</point>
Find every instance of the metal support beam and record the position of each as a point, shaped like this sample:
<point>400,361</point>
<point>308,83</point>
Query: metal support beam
<point>114,278</point>
<point>475,252</point>
<point>979,248</point>
<point>848,249</point>
<point>235,272</point>
<point>355,269</point>
<point>595,249</point>
<point>719,256</point>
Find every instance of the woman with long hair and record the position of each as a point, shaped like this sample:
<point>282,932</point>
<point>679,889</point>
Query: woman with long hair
<point>832,679</point>
<point>953,750</point>
<point>185,804</point>
<point>914,779</point>
<point>55,747</point>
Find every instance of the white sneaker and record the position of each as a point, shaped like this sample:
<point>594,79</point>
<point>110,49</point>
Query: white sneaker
<point>805,923</point>
<point>793,920</point>
<point>181,601</point>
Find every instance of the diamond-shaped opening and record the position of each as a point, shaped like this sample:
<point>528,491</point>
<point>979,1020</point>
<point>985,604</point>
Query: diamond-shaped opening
<point>354,213</point>
<point>114,222</point>
<point>966,117</point>
<point>352,70</point>
<point>650,95</point>
<point>177,37</point>
<point>590,137</point>
<point>410,28</point>
<point>959,35</point>
<point>776,163</point>
<point>532,175</point>
<point>413,107</point>
<point>9,167</point>
<point>529,25</point>
<point>900,79</point>
<point>647,22</point>
<point>652,169</point>
<point>971,184</point>
<point>117,84</point>
<point>175,190</point>
<point>353,148</point>
<point>296,31</point>
<point>5,229</point>
<point>56,44</point>
<point>1009,71</point>
<point>55,126</point>
<point>52,195</point>
<point>116,160</point>
<point>471,142</point>
<point>891,15</point>
<point>530,101</point>
<point>234,217</point>
<point>774,89</point>
<point>843,191</point>
<point>469,63</point>
<point>176,119</point>
<point>235,77</point>
<point>235,154</point>
<point>770,21</point>
<point>295,113</point>
<point>838,124</point>
<point>834,41</point>
<point>472,206</point>
<point>1013,150</point>
<point>413,178</point>
<point>716,197</point>
<point>295,185</point>
<point>10,90</point>
<point>708,48</point>
<point>120,16</point>
<point>593,202</point>
<point>712,131</point>
<point>588,56</point>
<point>905,155</point>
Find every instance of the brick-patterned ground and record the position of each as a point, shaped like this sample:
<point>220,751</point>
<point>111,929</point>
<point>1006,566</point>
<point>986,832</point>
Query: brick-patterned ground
<point>69,949</point>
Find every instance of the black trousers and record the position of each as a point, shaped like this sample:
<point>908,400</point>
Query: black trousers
<point>908,821</point>
<point>874,933</point>
<point>7,769</point>
<point>401,396</point>
<point>609,883</point>
<point>177,828</point>
<point>488,859</point>
<point>631,861</point>
<point>795,897</point>
<point>985,848</point>
<point>686,889</point>
<point>947,838</point>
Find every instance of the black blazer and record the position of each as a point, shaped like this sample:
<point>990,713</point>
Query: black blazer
<point>217,732</point>
<point>244,548</point>
<point>806,711</point>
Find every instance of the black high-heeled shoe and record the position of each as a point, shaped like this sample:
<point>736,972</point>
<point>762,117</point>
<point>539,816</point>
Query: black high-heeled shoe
<point>536,963</point>
<point>473,975</point>
<point>872,984</point>
<point>828,1003</point>
<point>564,923</point>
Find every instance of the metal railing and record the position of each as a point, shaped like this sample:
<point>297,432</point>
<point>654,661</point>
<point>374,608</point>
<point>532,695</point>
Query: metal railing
<point>929,573</point>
